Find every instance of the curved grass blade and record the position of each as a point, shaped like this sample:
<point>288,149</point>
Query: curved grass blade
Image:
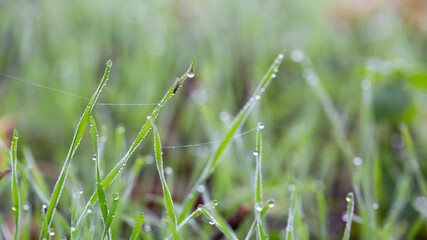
<point>100,190</point>
<point>16,207</point>
<point>167,196</point>
<point>350,211</point>
<point>139,138</point>
<point>75,143</point>
<point>218,221</point>
<point>112,214</point>
<point>137,228</point>
<point>239,120</point>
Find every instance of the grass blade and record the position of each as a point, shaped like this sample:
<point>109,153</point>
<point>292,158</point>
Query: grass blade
<point>268,205</point>
<point>216,219</point>
<point>139,138</point>
<point>167,196</point>
<point>112,214</point>
<point>239,120</point>
<point>100,190</point>
<point>258,172</point>
<point>413,158</point>
<point>349,216</point>
<point>16,208</point>
<point>137,228</point>
<point>290,226</point>
<point>75,143</point>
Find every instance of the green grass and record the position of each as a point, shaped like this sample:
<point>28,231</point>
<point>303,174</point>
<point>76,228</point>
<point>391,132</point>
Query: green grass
<point>345,114</point>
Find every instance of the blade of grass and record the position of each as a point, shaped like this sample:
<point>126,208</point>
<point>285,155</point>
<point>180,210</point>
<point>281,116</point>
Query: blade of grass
<point>216,219</point>
<point>349,216</point>
<point>137,228</point>
<point>78,135</point>
<point>112,214</point>
<point>290,226</point>
<point>166,194</point>
<point>413,158</point>
<point>269,204</point>
<point>239,120</point>
<point>321,205</point>
<point>139,138</point>
<point>16,207</point>
<point>100,190</point>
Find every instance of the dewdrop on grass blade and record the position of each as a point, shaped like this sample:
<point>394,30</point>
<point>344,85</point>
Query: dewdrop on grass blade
<point>191,73</point>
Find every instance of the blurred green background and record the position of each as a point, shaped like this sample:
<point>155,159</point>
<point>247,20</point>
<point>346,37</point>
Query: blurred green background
<point>65,44</point>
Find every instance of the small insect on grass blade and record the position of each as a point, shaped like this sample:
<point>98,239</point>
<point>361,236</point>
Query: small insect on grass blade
<point>56,194</point>
<point>139,138</point>
<point>349,216</point>
<point>137,228</point>
<point>16,208</point>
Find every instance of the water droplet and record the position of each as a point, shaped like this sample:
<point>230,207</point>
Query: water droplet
<point>357,161</point>
<point>116,196</point>
<point>72,229</point>
<point>257,97</point>
<point>147,228</point>
<point>310,77</point>
<point>148,116</point>
<point>276,70</point>
<point>281,56</point>
<point>201,188</point>
<point>258,207</point>
<point>168,170</point>
<point>291,187</point>
<point>297,56</point>
<point>64,238</point>
<point>255,153</point>
<point>215,203</point>
<point>94,157</point>
<point>44,207</point>
<point>366,84</point>
<point>51,232</point>
<point>347,199</point>
<point>270,203</point>
<point>90,125</point>
<point>211,222</point>
<point>149,160</point>
<point>109,63</point>
<point>13,208</point>
<point>199,207</point>
<point>273,75</point>
<point>191,73</point>
<point>260,125</point>
<point>224,116</point>
<point>375,206</point>
<point>26,207</point>
<point>89,211</point>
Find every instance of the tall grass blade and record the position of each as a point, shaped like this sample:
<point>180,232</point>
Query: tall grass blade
<point>111,215</point>
<point>349,216</point>
<point>167,196</point>
<point>137,228</point>
<point>239,120</point>
<point>139,138</point>
<point>16,207</point>
<point>75,143</point>
<point>413,158</point>
<point>290,227</point>
<point>100,190</point>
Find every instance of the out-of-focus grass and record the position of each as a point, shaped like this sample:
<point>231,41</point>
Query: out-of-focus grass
<point>371,65</point>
